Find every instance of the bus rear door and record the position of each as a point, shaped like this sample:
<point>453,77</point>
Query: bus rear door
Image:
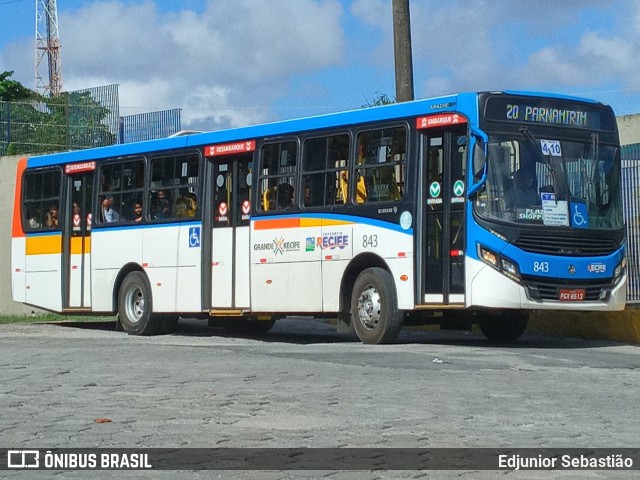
<point>441,244</point>
<point>230,231</point>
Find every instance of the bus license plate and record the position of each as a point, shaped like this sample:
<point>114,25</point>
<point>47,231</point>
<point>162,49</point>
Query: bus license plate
<point>572,295</point>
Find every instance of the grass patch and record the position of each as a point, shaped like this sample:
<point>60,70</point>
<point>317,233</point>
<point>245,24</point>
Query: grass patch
<point>51,318</point>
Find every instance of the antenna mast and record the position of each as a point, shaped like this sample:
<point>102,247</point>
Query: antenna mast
<point>48,44</point>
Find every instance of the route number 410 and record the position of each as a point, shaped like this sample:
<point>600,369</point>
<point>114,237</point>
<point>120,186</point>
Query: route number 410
<point>551,147</point>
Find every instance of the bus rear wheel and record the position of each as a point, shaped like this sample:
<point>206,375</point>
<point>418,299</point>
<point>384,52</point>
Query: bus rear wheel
<point>374,307</point>
<point>135,306</point>
<point>505,326</point>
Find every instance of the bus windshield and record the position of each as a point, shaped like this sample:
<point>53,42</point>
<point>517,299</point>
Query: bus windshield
<point>551,181</point>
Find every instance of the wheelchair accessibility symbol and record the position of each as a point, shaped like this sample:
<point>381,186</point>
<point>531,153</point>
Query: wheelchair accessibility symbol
<point>579,215</point>
<point>194,237</point>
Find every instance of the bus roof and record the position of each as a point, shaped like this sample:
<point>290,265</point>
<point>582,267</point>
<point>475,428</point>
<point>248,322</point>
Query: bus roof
<point>465,103</point>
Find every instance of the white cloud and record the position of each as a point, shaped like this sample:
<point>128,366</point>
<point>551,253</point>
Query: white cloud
<point>374,13</point>
<point>214,65</point>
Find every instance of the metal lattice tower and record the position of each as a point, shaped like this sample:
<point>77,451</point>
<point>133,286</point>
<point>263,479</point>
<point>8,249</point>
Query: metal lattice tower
<point>48,45</point>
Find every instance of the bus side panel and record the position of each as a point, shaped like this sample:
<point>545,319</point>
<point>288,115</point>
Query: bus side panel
<point>18,285</point>
<point>404,279</point>
<point>111,249</point>
<point>160,258</point>
<point>332,272</point>
<point>395,247</point>
<point>336,246</point>
<point>189,278</point>
<point>43,275</point>
<point>243,267</point>
<point>285,266</point>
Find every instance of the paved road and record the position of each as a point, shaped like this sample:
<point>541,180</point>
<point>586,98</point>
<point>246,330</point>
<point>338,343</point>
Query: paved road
<point>303,385</point>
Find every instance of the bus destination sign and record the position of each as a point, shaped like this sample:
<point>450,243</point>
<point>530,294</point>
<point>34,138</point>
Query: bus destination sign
<point>537,111</point>
<point>79,167</point>
<point>230,148</point>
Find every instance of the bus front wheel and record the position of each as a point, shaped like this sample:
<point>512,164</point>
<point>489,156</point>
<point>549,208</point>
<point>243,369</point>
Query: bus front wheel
<point>374,307</point>
<point>507,326</point>
<point>135,306</point>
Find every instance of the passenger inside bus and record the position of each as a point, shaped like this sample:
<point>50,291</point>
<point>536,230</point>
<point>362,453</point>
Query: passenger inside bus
<point>34,218</point>
<point>285,195</point>
<point>161,206</point>
<point>186,205</point>
<point>109,215</point>
<point>137,212</point>
<point>51,217</point>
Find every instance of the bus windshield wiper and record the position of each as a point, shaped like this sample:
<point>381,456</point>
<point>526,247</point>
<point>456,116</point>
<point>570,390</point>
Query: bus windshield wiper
<point>532,145</point>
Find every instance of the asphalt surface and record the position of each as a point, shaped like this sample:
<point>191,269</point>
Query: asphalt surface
<point>304,385</point>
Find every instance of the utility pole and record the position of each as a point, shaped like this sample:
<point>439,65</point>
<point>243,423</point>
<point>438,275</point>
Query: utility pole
<point>402,51</point>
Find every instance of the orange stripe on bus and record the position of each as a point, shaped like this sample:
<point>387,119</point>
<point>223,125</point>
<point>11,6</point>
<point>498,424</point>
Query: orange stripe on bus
<point>16,227</point>
<point>44,244</point>
<point>328,222</point>
<point>277,223</point>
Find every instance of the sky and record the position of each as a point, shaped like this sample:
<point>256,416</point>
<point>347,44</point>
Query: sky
<point>229,63</point>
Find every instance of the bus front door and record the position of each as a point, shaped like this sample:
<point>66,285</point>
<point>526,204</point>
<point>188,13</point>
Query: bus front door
<point>230,232</point>
<point>76,265</point>
<point>441,259</point>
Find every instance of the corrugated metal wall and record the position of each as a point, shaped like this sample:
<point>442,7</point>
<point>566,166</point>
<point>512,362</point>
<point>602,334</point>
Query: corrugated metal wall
<point>149,126</point>
<point>631,205</point>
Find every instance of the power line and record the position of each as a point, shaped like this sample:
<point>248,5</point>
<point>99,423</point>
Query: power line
<point>11,1</point>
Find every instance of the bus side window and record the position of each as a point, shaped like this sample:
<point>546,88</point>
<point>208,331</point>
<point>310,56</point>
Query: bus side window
<point>277,175</point>
<point>40,201</point>
<point>174,187</point>
<point>381,160</point>
<point>325,167</point>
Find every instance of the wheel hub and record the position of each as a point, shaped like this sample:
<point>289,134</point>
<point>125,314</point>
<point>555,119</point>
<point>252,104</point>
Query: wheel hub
<point>135,305</point>
<point>369,308</point>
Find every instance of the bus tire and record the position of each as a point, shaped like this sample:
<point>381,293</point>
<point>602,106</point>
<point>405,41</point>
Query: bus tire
<point>135,306</point>
<point>504,327</point>
<point>374,307</point>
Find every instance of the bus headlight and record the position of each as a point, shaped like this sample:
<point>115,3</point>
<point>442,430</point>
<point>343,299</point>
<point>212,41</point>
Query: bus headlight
<point>489,257</point>
<point>509,267</point>
<point>619,270</point>
<point>505,265</point>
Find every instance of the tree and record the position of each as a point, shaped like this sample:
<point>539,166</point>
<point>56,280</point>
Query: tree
<point>379,99</point>
<point>12,90</point>
<point>31,123</point>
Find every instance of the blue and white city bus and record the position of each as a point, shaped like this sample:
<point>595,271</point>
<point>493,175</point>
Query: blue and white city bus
<point>468,208</point>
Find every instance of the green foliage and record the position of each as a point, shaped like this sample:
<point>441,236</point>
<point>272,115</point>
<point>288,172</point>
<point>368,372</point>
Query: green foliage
<point>31,123</point>
<point>12,90</point>
<point>379,99</point>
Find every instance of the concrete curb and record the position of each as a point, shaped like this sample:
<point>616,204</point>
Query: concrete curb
<point>618,326</point>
